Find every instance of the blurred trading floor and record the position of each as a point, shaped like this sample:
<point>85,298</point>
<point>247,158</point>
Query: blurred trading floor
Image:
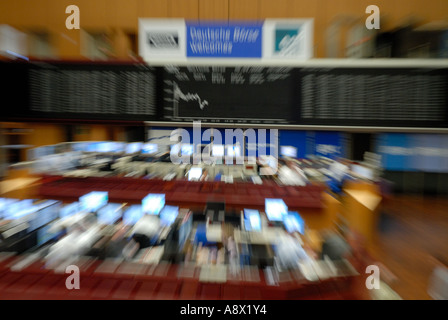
<point>412,232</point>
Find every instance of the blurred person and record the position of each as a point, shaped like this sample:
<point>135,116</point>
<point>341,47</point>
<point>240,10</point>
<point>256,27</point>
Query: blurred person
<point>218,176</point>
<point>145,229</point>
<point>289,253</point>
<point>334,246</point>
<point>76,243</point>
<point>205,176</point>
<point>291,174</point>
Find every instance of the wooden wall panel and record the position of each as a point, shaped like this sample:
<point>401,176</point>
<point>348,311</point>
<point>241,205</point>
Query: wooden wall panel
<point>188,9</point>
<point>430,10</point>
<point>393,13</point>
<point>27,13</point>
<point>91,133</point>
<point>127,13</point>
<point>276,9</point>
<point>123,14</point>
<point>119,133</point>
<point>7,12</point>
<point>67,43</point>
<point>241,10</point>
<point>93,14</point>
<point>312,9</point>
<point>99,132</point>
<point>152,8</point>
<point>44,134</point>
<point>214,9</point>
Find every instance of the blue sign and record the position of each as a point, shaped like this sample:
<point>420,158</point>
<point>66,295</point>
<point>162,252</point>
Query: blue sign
<point>329,144</point>
<point>296,139</point>
<point>226,40</point>
<point>411,152</point>
<point>396,151</point>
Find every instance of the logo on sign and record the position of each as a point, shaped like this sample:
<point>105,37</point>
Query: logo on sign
<point>215,40</point>
<point>163,40</point>
<point>287,41</point>
<point>327,149</point>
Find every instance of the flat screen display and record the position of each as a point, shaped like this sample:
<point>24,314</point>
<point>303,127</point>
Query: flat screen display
<point>194,174</point>
<point>18,209</point>
<point>153,203</point>
<point>69,210</point>
<point>288,151</point>
<point>218,151</point>
<point>362,171</point>
<point>168,215</point>
<point>185,229</point>
<point>275,209</point>
<point>294,222</point>
<point>80,146</point>
<point>149,148</point>
<point>109,214</point>
<point>252,220</point>
<point>94,200</point>
<point>187,149</point>
<point>134,147</point>
<point>132,214</point>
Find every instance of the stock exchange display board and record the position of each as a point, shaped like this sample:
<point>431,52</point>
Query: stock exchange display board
<point>109,91</point>
<point>308,96</point>
<point>273,95</point>
<point>89,91</point>
<point>229,94</point>
<point>373,96</point>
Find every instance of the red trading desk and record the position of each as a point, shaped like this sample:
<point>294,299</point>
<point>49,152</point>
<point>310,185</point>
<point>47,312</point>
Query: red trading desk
<point>237,195</point>
<point>165,282</point>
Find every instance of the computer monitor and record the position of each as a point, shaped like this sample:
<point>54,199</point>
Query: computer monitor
<point>194,174</point>
<point>36,153</point>
<point>94,200</point>
<point>362,171</point>
<point>105,146</point>
<point>92,147</point>
<point>233,151</point>
<point>288,151</point>
<point>185,229</point>
<point>133,147</point>
<point>153,203</point>
<point>31,154</point>
<point>109,214</point>
<point>46,212</point>
<point>122,147</point>
<point>168,215</point>
<point>132,214</point>
<point>218,150</point>
<point>275,209</point>
<point>294,222</point>
<point>45,235</point>
<point>114,147</point>
<point>45,151</point>
<point>271,162</point>
<point>150,148</point>
<point>187,149</point>
<point>5,203</point>
<point>69,210</point>
<point>252,220</point>
<point>80,146</point>
<point>17,209</point>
